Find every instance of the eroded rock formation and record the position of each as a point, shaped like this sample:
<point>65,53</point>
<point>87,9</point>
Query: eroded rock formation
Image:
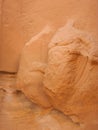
<point>72,70</point>
<point>50,81</point>
<point>65,80</point>
<point>32,67</point>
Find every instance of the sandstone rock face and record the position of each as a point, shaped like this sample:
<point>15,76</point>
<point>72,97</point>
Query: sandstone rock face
<point>20,20</point>
<point>71,75</point>
<point>32,67</point>
<point>68,80</point>
<point>49,65</point>
<point>17,112</point>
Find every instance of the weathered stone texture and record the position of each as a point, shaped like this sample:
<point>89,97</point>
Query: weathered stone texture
<point>49,52</point>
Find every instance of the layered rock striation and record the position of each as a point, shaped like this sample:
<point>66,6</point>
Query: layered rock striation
<point>67,80</point>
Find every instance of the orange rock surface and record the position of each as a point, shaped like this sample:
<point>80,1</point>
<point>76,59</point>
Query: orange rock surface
<point>49,65</point>
<point>20,20</point>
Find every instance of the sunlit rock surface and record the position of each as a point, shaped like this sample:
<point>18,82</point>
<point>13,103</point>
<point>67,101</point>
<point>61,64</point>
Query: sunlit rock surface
<point>18,113</point>
<point>20,20</point>
<point>64,81</point>
<point>33,62</point>
<point>49,65</point>
<point>71,75</point>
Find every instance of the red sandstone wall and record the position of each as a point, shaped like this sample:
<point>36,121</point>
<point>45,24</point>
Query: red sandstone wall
<point>20,20</point>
